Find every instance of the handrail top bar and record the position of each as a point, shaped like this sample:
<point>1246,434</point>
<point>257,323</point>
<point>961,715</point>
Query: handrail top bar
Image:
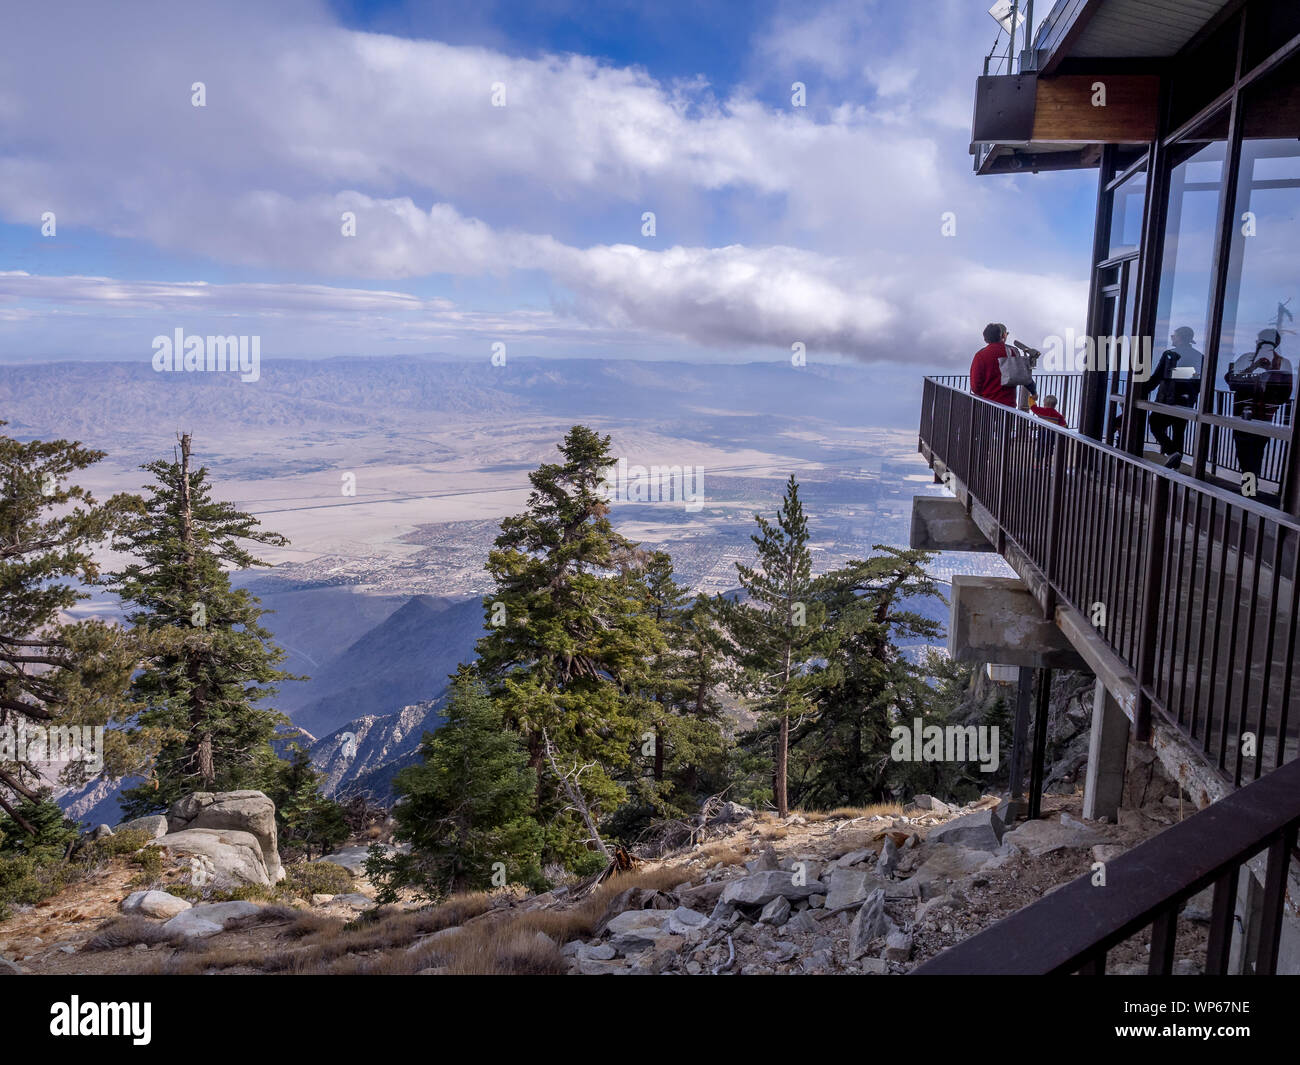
<point>1252,506</point>
<point>1162,871</point>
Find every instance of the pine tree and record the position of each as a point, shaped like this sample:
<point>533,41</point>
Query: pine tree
<point>777,630</point>
<point>868,684</point>
<point>466,809</point>
<point>48,829</point>
<point>568,636</point>
<point>305,818</point>
<point>687,747</point>
<point>209,661</point>
<point>55,674</point>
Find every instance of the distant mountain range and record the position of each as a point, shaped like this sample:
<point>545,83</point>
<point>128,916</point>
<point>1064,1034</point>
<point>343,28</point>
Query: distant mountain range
<point>135,407</point>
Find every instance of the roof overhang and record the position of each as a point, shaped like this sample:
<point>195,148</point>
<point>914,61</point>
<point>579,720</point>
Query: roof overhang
<point>1123,29</point>
<point>1097,68</point>
<point>1034,115</point>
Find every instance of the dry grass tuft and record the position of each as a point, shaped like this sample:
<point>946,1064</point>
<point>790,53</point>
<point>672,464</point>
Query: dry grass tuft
<point>199,957</point>
<point>499,941</point>
<point>489,939</point>
<point>127,931</point>
<point>514,949</point>
<point>724,851</point>
<point>884,809</point>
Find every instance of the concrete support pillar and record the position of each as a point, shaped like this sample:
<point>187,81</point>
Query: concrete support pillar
<point>1246,936</point>
<point>1107,755</point>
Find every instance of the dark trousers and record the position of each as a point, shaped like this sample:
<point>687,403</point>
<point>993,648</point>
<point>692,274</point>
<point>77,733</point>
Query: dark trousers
<point>1250,451</point>
<point>1169,432</point>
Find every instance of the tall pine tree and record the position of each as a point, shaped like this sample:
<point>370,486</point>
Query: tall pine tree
<point>777,630</point>
<point>568,635</point>
<point>54,673</point>
<point>209,661</point>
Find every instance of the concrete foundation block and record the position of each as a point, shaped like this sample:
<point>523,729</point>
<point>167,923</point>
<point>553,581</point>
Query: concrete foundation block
<point>940,523</point>
<point>997,619</point>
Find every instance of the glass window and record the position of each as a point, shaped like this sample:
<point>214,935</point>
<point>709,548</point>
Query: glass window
<point>1126,215</point>
<point>1257,340</point>
<point>1187,269</point>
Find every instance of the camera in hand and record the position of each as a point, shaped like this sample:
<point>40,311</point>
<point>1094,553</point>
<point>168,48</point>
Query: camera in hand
<point>1032,354</point>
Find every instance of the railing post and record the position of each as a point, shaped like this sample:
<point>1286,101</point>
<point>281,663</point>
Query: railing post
<point>970,444</point>
<point>1005,429</point>
<point>1153,556</point>
<point>947,435</point>
<point>1056,503</point>
<point>1222,917</point>
<point>1164,936</point>
<point>1270,932</point>
<point>1039,757</point>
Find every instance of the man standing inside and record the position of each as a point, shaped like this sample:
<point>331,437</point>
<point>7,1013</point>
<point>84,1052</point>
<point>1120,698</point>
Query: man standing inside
<point>1176,382</point>
<point>985,373</point>
<point>1261,382</point>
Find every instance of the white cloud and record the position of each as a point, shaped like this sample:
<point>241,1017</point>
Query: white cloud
<point>305,120</point>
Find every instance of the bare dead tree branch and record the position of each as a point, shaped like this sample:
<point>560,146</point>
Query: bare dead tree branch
<point>569,781</point>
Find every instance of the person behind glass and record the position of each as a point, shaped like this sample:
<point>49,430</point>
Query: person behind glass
<point>985,373</point>
<point>1176,382</point>
<point>1261,382</point>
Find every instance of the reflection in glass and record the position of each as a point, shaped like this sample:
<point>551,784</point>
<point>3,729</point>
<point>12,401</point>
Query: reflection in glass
<point>1183,312</point>
<point>1257,340</point>
<point>1195,187</point>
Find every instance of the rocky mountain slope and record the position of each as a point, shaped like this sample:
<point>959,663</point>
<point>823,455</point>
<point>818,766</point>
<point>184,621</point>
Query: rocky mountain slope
<point>874,891</point>
<point>363,756</point>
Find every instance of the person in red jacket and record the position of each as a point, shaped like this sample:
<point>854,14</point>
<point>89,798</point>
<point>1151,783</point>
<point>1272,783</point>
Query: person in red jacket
<point>1048,412</point>
<point>985,374</point>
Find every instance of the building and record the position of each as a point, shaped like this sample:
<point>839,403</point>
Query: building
<point>1159,545</point>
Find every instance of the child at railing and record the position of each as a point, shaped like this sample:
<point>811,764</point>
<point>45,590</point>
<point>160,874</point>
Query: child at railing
<point>1048,412</point>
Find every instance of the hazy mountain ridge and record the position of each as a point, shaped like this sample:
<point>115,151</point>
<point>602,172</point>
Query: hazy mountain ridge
<point>406,658</point>
<point>132,400</point>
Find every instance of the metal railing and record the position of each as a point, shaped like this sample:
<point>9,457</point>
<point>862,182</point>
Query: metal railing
<point>1019,23</point>
<point>1066,387</point>
<point>1075,927</point>
<point>1222,455</point>
<point>1223,445</point>
<point>1191,587</point>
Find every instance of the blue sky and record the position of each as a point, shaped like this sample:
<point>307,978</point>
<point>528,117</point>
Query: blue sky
<point>523,223</point>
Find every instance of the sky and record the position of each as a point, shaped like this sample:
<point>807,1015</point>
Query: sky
<point>561,177</point>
